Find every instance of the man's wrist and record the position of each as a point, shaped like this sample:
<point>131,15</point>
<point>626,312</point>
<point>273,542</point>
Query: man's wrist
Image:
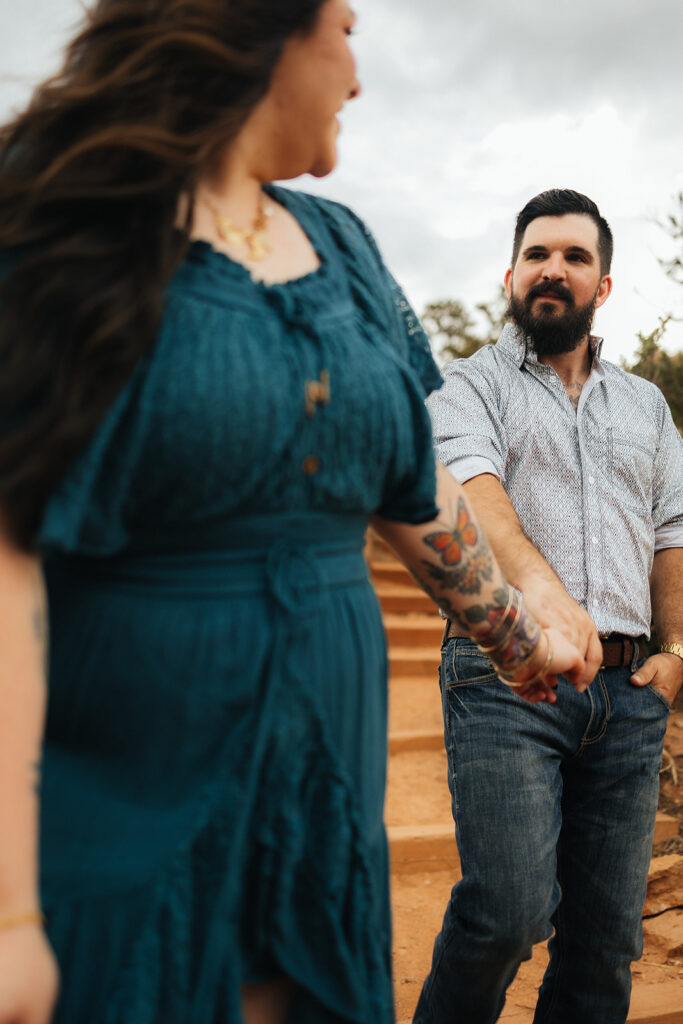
<point>672,647</point>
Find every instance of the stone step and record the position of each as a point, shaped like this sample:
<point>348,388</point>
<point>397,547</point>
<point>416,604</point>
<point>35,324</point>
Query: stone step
<point>391,572</point>
<point>658,1003</point>
<point>415,739</point>
<point>423,849</point>
<point>417,787</point>
<point>666,827</point>
<point>414,629</point>
<point>414,661</point>
<point>396,597</point>
<point>414,703</point>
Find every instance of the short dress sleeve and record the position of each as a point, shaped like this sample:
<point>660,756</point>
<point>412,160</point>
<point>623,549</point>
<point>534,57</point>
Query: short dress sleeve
<point>388,317</point>
<point>87,514</point>
<point>411,499</point>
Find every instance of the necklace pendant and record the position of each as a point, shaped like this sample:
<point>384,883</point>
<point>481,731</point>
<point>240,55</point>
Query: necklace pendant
<point>255,238</point>
<point>259,246</point>
<point>233,236</point>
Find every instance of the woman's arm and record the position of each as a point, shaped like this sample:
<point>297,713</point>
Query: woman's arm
<point>28,977</point>
<point>451,560</point>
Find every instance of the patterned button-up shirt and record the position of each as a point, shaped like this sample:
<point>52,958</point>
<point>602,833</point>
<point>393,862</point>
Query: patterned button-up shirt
<point>597,490</point>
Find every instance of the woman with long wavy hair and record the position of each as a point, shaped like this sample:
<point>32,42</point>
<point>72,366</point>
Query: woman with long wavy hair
<point>208,385</point>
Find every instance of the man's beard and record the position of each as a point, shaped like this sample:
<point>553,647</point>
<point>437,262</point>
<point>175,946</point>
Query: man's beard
<point>552,333</point>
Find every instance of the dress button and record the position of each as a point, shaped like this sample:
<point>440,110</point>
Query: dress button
<point>310,465</point>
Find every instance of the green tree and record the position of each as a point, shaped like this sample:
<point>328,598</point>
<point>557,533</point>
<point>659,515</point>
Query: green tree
<point>674,229</point>
<point>651,360</point>
<point>457,332</point>
<point>655,364</point>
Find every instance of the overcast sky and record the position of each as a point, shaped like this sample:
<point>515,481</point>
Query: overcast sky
<point>468,110</point>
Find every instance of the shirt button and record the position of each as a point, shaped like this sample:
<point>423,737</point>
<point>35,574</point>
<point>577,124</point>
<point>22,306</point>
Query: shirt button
<point>594,539</point>
<point>591,479</point>
<point>310,465</point>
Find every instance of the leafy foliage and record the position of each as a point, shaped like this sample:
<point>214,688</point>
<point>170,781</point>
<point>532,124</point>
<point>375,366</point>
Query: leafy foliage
<point>456,332</point>
<point>651,360</point>
<point>664,370</point>
<point>674,228</point>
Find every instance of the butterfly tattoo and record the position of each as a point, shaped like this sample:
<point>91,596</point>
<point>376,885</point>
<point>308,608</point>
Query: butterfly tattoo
<point>450,545</point>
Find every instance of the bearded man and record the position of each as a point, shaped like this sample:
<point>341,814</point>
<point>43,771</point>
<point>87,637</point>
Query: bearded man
<point>575,470</point>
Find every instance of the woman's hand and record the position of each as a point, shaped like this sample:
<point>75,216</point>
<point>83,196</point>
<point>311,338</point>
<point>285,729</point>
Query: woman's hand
<point>566,660</point>
<point>29,978</point>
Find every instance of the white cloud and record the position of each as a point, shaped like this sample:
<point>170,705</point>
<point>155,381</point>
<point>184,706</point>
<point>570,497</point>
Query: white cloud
<point>470,109</point>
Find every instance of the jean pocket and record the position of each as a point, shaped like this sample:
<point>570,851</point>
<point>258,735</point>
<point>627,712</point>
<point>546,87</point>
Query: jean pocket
<point>660,696</point>
<point>468,666</point>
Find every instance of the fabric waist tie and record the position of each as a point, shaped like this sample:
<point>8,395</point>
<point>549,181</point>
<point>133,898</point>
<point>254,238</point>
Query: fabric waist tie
<point>294,558</point>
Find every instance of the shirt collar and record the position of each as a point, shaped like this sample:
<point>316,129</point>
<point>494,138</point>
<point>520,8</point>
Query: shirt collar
<point>516,345</point>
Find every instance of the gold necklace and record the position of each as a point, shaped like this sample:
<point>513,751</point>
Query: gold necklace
<point>255,238</point>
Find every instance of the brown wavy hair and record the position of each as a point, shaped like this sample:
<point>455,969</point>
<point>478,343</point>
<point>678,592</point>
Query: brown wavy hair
<point>91,173</point>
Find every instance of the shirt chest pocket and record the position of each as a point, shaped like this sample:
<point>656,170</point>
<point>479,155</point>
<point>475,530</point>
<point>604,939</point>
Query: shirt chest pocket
<point>629,465</point>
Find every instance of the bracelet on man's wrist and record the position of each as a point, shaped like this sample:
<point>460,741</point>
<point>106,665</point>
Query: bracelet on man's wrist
<point>672,648</point>
<point>28,917</point>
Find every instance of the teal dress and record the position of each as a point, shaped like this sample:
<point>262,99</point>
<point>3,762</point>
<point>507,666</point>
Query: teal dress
<point>214,760</point>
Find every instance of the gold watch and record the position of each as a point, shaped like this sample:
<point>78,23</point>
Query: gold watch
<point>676,649</point>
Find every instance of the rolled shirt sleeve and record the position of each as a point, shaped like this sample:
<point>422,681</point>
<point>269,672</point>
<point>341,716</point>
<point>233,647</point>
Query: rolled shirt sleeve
<point>469,435</point>
<point>471,466</point>
<point>667,486</point>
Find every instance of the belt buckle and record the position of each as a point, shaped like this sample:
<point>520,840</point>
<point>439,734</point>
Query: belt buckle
<point>603,636</point>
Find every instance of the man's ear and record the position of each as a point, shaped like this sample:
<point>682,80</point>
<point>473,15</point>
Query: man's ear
<point>507,281</point>
<point>604,289</point>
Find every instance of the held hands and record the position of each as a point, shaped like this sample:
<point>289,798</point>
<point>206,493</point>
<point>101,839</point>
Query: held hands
<point>28,976</point>
<point>557,612</point>
<point>527,657</point>
<point>565,660</point>
<point>664,671</point>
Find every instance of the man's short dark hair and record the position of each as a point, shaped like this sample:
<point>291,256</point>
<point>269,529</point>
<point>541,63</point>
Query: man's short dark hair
<point>556,202</point>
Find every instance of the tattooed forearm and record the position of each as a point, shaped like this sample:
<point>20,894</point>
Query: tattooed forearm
<point>462,566</point>
<point>467,578</point>
<point>444,604</point>
<point>451,559</point>
<point>490,619</point>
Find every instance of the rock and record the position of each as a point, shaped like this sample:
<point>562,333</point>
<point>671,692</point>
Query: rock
<point>665,933</point>
<point>664,884</point>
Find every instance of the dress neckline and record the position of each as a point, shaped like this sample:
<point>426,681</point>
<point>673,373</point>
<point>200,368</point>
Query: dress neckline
<point>203,250</point>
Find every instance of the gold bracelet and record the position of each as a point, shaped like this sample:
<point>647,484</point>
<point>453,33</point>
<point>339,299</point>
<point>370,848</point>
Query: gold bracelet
<point>533,650</point>
<point>672,648</point>
<point>500,642</point>
<point>537,676</point>
<point>30,917</point>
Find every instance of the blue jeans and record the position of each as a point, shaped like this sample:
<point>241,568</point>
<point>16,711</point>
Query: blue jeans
<point>554,809</point>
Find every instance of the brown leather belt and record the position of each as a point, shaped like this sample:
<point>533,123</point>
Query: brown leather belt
<point>618,650</point>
